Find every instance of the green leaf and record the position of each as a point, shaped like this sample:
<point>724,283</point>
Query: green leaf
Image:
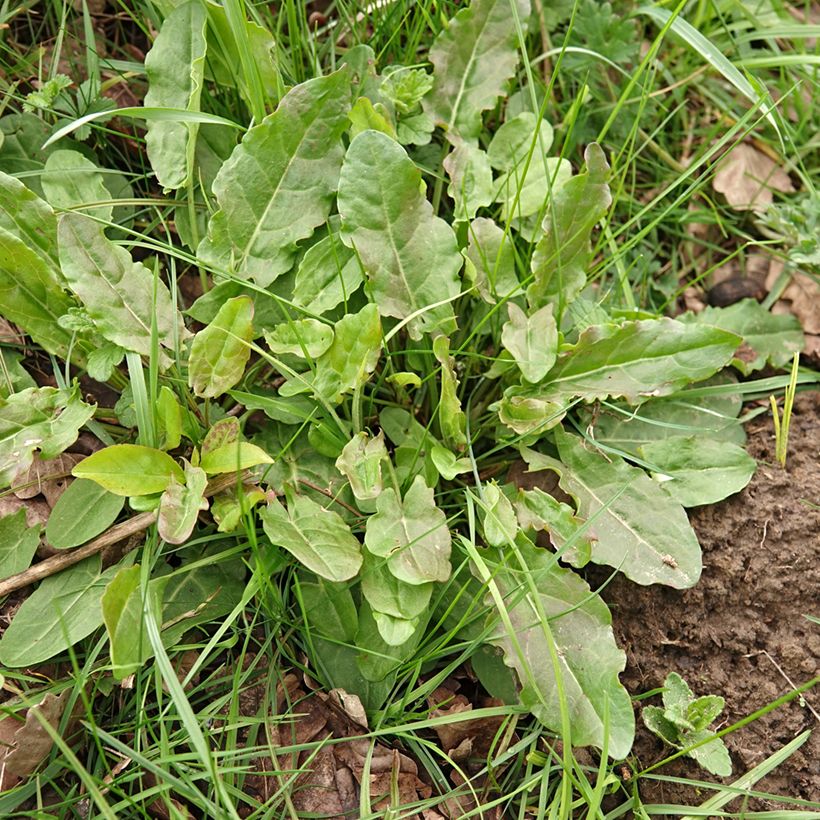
<point>447,464</point>
<point>293,410</point>
<point>83,511</point>
<point>352,357</point>
<point>639,529</point>
<point>396,605</point>
<point>32,294</point>
<point>64,609</point>
<point>71,182</point>
<point>405,87</point>
<point>361,463</point>
<point>512,142</point>
<point>451,418</point>
<point>329,609</point>
<point>220,351</point>
<point>18,543</point>
<point>473,58</point>
<point>130,469</point>
<point>102,361</point>
<point>653,357</point>
<point>169,417</point>
<point>317,537</point>
<point>704,710</point>
<point>709,417</point>
<point>493,256</point>
<point>364,115</point>
<point>181,504</point>
<point>120,295</point>
<point>696,470</point>
<point>524,411</point>
<point>306,338</point>
<point>278,184</point>
<point>537,510</point>
<point>579,624</point>
<point>410,255</point>
<point>175,67</point>
<point>122,610</point>
<point>328,275</point>
<point>24,215</point>
<point>562,254</point>
<point>224,431</point>
<point>415,130</point>
<point>379,660</point>
<point>656,721</point>
<point>498,517</point>
<point>768,338</point>
<point>471,180</point>
<point>713,756</point>
<point>532,340</point>
<point>39,418</point>
<point>233,457</point>
<point>412,534</point>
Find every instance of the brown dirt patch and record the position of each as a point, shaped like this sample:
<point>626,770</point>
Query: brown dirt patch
<point>742,630</point>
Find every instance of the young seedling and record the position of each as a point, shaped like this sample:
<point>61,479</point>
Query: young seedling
<point>683,722</point>
<point>781,425</point>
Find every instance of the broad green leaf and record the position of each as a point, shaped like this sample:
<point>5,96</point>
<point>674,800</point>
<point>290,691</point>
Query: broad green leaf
<point>278,184</point>
<point>73,182</point>
<point>451,418</point>
<point>328,275</point>
<point>233,457</point>
<point>493,257</point>
<point>413,443</point>
<point>532,340</point>
<point>713,417</point>
<point>410,255</point>
<point>267,310</point>
<point>120,295</point>
<point>352,357</point>
<point>18,543</point>
<point>224,431</point>
<point>412,534</point>
<point>524,193</point>
<point>32,295</point>
<point>473,59</point>
<point>130,469</point>
<point>175,67</point>
<point>39,418</point>
<point>64,609</point>
<point>396,605</point>
<point>768,338</point>
<point>101,361</point>
<point>377,659</point>
<point>330,609</point>
<point>498,517</point>
<point>524,411</point>
<point>415,130</point>
<point>200,595</point>
<point>653,357</point>
<point>639,529</point>
<point>562,254</point>
<point>713,756</point>
<point>83,511</point>
<point>220,351</point>
<point>306,338</point>
<point>656,721</point>
<point>122,610</point>
<point>228,507</point>
<point>447,464</point>
<point>579,624</point>
<point>181,504</point>
<point>316,536</point>
<point>361,463</point>
<point>15,377</point>
<point>293,410</point>
<point>24,215</point>
<point>364,116</point>
<point>704,710</point>
<point>696,470</point>
<point>512,142</point>
<point>471,180</point>
<point>169,417</point>
<point>537,510</point>
<point>405,87</point>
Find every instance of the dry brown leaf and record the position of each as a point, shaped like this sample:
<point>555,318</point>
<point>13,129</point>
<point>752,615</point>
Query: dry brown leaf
<point>24,746</point>
<point>747,178</point>
<point>802,295</point>
<point>48,477</point>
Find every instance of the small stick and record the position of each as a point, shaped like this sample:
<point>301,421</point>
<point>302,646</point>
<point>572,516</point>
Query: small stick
<point>117,533</point>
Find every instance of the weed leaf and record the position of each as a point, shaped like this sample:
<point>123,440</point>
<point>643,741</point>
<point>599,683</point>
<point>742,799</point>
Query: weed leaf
<point>361,464</point>
<point>130,469</point>
<point>175,67</point>
<point>18,543</point>
<point>72,182</point>
<point>82,512</point>
<point>410,255</point>
<point>532,340</point>
<point>278,184</point>
<point>181,504</point>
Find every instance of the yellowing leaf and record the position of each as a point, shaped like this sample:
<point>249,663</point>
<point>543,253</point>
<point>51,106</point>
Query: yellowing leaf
<point>180,505</point>
<point>233,457</point>
<point>130,469</point>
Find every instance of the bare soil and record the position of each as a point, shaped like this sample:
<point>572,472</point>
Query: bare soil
<point>741,632</point>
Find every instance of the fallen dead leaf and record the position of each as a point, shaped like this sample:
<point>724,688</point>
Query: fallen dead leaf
<point>802,296</point>
<point>747,178</point>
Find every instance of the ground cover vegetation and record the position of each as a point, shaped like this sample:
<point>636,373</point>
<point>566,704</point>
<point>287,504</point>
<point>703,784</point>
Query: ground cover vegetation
<point>339,343</point>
